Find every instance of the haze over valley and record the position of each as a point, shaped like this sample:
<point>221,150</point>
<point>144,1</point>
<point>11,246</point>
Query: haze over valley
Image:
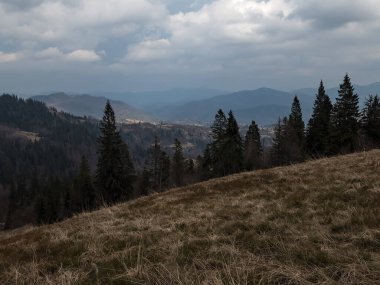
<point>196,106</point>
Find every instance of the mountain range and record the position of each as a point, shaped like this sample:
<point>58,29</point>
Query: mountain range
<point>264,105</point>
<point>86,105</point>
<point>154,99</point>
<point>190,106</point>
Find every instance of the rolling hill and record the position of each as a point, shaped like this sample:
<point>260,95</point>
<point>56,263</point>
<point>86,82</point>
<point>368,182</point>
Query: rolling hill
<point>86,105</point>
<point>311,223</point>
<point>263,105</point>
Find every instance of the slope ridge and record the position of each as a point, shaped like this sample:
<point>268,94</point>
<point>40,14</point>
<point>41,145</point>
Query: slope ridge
<point>313,223</point>
<point>87,105</point>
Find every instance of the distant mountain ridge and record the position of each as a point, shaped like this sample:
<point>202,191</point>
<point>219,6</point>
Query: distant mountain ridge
<point>264,105</point>
<point>198,105</point>
<point>87,105</point>
<point>150,100</point>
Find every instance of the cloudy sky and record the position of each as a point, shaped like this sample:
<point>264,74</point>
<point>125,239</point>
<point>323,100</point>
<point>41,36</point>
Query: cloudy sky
<point>119,45</point>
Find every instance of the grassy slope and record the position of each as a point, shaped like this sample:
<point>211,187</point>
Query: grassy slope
<point>312,223</point>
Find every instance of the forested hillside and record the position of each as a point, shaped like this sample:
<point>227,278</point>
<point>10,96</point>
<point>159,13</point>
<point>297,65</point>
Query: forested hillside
<point>39,149</point>
<point>42,152</point>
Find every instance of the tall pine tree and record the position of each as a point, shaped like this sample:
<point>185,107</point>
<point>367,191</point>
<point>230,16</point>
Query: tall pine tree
<point>252,147</point>
<point>318,127</point>
<point>344,121</point>
<point>216,148</point>
<point>288,143</point>
<point>293,135</point>
<point>113,176</point>
<point>296,122</point>
<point>233,147</point>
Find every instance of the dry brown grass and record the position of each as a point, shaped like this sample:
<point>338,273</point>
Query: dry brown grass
<point>312,223</point>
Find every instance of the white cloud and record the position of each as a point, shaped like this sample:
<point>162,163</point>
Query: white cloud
<point>8,57</point>
<point>149,50</point>
<point>50,53</point>
<point>83,55</point>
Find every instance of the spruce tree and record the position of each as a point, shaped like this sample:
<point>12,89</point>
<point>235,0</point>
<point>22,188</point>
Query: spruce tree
<point>252,147</point>
<point>296,122</point>
<point>344,121</point>
<point>112,175</point>
<point>218,128</point>
<point>217,146</point>
<point>178,164</point>
<point>370,120</point>
<point>233,148</point>
<point>318,127</point>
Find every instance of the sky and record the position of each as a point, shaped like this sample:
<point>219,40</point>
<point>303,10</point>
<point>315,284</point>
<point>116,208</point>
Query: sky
<point>140,45</point>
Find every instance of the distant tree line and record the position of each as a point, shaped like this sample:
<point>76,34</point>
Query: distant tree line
<point>333,129</point>
<point>45,188</point>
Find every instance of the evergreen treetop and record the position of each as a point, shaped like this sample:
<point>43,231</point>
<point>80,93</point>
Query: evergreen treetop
<point>233,149</point>
<point>218,128</point>
<point>252,147</point>
<point>344,121</point>
<point>317,129</point>
<point>296,121</point>
<point>253,136</point>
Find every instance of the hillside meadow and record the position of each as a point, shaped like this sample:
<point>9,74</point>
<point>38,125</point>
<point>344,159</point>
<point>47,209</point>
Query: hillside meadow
<point>312,223</point>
